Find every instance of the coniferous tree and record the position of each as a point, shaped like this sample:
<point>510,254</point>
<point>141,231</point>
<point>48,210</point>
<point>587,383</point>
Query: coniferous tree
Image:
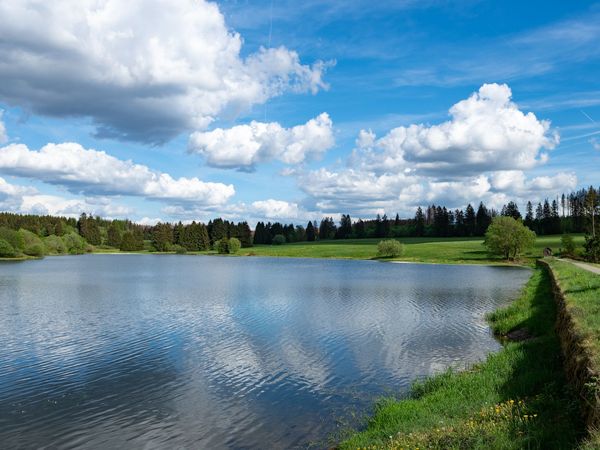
<point>259,233</point>
<point>471,220</point>
<point>483,219</point>
<point>244,234</point>
<point>345,229</point>
<point>419,222</point>
<point>113,237</point>
<point>162,237</point>
<point>327,228</point>
<point>310,232</point>
<point>360,230</point>
<point>511,210</point>
<point>529,220</point>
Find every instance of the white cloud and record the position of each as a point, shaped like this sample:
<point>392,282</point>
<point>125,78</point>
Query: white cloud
<point>92,172</point>
<point>243,146</point>
<point>595,143</point>
<point>28,200</point>
<point>276,209</point>
<point>149,221</point>
<point>3,136</point>
<point>143,70</point>
<point>60,206</point>
<point>486,132</point>
<point>516,181</point>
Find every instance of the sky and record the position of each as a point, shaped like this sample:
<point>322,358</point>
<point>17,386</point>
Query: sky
<point>281,110</point>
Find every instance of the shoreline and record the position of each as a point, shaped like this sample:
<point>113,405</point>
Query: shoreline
<point>515,397</point>
<point>337,258</point>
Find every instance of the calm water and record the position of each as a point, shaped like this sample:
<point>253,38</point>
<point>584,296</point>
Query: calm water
<point>134,351</point>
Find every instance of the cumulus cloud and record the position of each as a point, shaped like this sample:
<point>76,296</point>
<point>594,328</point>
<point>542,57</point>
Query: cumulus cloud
<point>486,132</point>
<point>3,136</point>
<point>92,172</point>
<point>243,146</point>
<point>60,206</point>
<point>276,209</point>
<point>142,70</point>
<point>28,200</point>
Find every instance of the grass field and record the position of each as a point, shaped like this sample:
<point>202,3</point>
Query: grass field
<point>516,399</point>
<point>430,250</point>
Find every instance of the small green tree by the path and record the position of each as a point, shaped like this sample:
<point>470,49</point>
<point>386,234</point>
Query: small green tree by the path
<point>508,237</point>
<point>389,248</point>
<point>567,245</point>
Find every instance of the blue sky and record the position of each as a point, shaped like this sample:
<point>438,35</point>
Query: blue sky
<point>282,110</point>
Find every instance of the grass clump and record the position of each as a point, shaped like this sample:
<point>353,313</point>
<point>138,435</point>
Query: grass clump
<point>517,398</point>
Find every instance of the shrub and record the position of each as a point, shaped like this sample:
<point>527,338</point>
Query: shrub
<point>278,239</point>
<point>179,249</point>
<point>508,237</point>
<point>568,245</point>
<point>390,248</point>
<point>7,250</point>
<point>592,248</point>
<point>34,250</point>
<point>13,238</point>
<point>74,243</point>
<point>223,246</point>
<point>234,245</point>
<point>54,245</point>
<point>33,244</point>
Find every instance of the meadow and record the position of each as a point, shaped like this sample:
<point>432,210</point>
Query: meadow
<point>428,250</point>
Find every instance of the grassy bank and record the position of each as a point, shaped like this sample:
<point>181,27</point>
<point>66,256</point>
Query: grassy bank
<point>517,398</point>
<point>579,327</point>
<point>431,250</point>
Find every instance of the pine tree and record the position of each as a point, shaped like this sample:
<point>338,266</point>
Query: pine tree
<point>310,232</point>
<point>113,235</point>
<point>471,221</point>
<point>244,233</point>
<point>419,222</point>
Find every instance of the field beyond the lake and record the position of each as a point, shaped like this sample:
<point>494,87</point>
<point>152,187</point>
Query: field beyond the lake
<point>449,250</point>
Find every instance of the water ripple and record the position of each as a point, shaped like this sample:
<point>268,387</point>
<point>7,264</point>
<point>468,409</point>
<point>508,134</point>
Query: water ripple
<point>164,352</point>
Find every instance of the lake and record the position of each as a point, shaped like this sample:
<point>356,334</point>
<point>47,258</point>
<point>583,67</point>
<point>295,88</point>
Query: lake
<point>166,351</point>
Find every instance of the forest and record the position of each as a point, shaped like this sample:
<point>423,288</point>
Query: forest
<point>34,235</point>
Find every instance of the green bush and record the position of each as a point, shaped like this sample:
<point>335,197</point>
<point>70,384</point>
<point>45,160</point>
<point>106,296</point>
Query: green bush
<point>390,248</point>
<point>222,246</point>
<point>234,245</point>
<point>592,248</point>
<point>567,245</point>
<point>7,250</point>
<point>34,250</point>
<point>74,243</point>
<point>13,238</point>
<point>34,246</point>
<point>278,239</point>
<point>30,238</point>
<point>179,249</point>
<point>508,237</point>
<point>54,245</point>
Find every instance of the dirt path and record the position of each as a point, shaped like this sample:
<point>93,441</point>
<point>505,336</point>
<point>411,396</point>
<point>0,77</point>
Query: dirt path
<point>585,266</point>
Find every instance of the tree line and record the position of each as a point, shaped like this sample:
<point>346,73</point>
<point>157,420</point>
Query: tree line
<point>575,212</point>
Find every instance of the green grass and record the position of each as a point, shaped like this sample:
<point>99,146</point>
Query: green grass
<point>581,289</point>
<point>517,398</point>
<point>430,250</point>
